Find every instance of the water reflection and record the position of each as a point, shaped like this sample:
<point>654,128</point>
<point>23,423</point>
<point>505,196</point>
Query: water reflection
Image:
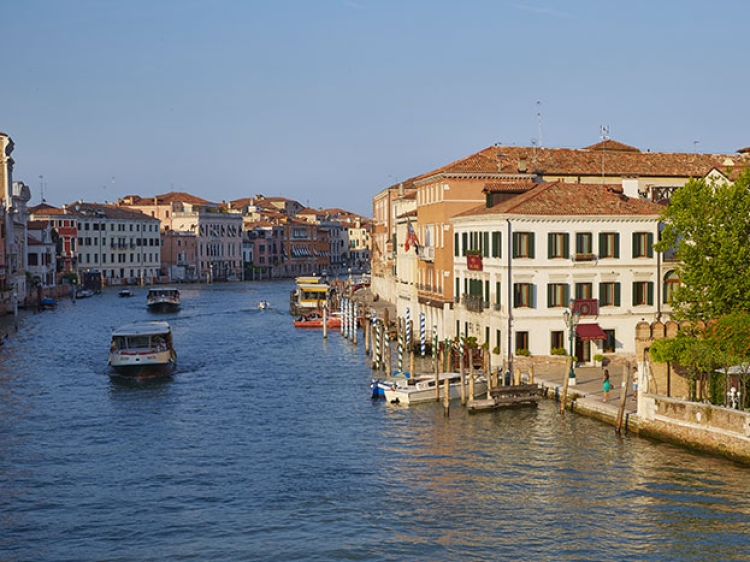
<point>265,444</point>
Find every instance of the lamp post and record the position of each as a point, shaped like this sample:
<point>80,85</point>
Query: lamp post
<point>571,321</point>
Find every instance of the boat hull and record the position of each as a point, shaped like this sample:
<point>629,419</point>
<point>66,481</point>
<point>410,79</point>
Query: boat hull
<point>163,306</point>
<point>423,390</point>
<point>143,363</point>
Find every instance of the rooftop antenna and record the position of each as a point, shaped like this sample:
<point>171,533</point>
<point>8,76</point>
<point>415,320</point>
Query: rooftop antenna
<point>539,121</point>
<point>41,188</point>
<point>605,137</point>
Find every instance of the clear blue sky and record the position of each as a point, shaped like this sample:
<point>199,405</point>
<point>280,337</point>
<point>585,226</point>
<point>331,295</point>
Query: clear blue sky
<point>330,101</point>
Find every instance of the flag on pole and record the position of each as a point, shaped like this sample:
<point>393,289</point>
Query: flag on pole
<point>411,239</point>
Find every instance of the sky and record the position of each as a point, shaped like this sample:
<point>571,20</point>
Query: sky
<point>328,102</point>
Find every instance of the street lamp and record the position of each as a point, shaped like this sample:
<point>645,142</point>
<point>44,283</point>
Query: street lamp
<point>571,321</point>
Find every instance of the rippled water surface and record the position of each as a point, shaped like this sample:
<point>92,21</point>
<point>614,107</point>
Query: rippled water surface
<point>265,445</point>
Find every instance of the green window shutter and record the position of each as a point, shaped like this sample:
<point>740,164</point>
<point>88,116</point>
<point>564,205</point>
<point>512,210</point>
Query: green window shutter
<point>496,244</point>
<point>487,291</point>
<point>635,289</point>
<point>457,288</point>
<point>566,245</point>
<point>601,294</point>
<point>550,295</point>
<point>550,242</point>
<point>566,295</point>
<point>455,244</point>
<point>531,245</point>
<point>464,240</point>
<point>515,244</point>
<point>486,248</point>
<point>602,242</point>
<point>617,244</point>
<point>650,288</point>
<point>635,244</point>
<point>498,300</point>
<point>617,294</point>
<point>532,296</point>
<point>650,242</point>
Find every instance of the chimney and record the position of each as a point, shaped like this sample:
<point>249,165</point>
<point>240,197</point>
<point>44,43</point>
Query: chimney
<point>522,166</point>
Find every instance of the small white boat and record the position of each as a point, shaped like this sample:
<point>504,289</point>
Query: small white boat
<point>402,390</point>
<point>163,299</point>
<point>263,305</point>
<point>84,294</point>
<point>143,349</point>
<point>125,293</point>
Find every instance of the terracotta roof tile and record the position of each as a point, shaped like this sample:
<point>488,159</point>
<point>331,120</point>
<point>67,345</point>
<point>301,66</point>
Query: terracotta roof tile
<point>565,199</point>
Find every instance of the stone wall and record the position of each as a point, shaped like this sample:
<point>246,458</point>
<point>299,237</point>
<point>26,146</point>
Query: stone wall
<point>700,426</point>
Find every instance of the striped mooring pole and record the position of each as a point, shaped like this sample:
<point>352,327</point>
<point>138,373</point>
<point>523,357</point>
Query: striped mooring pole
<point>422,334</point>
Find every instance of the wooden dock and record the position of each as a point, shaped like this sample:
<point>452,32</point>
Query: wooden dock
<point>507,396</point>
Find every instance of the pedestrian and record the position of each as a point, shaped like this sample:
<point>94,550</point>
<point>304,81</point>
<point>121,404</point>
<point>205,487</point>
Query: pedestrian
<point>635,383</point>
<point>606,386</point>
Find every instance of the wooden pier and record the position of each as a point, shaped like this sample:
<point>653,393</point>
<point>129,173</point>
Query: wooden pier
<point>507,396</point>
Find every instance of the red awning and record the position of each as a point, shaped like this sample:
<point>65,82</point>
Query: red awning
<point>590,332</point>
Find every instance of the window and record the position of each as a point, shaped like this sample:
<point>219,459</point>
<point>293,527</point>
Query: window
<point>584,290</point>
<point>523,244</point>
<point>609,294</point>
<point>497,240</point>
<point>557,295</point>
<point>584,246</point>
<point>609,245</point>
<point>523,295</point>
<point>557,340</point>
<point>609,341</point>
<point>558,245</point>
<point>522,341</point>
<point>643,293</point>
<point>643,245</point>
<point>671,281</point>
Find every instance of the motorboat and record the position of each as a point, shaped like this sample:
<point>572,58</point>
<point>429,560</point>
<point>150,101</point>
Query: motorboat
<point>143,349</point>
<point>48,304</point>
<point>84,294</point>
<point>310,294</point>
<point>315,320</point>
<point>125,293</point>
<point>419,389</point>
<point>163,299</point>
<point>264,305</point>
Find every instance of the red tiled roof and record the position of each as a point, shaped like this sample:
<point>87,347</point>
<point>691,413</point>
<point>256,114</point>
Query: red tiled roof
<point>617,159</point>
<point>511,186</point>
<point>559,198</point>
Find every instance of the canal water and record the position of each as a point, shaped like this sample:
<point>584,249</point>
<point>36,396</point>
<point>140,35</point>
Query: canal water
<point>265,445</point>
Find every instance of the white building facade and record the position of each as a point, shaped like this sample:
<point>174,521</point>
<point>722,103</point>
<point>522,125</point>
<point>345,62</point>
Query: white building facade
<point>521,265</point>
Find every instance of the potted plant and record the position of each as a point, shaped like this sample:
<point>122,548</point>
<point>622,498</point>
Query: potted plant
<point>598,358</point>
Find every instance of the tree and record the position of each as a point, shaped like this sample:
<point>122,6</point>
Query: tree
<point>707,224</point>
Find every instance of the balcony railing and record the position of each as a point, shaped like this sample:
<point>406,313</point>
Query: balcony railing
<point>474,303</point>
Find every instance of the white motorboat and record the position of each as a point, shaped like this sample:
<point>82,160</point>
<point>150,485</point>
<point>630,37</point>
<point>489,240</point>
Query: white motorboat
<point>143,349</point>
<point>163,299</point>
<point>403,390</point>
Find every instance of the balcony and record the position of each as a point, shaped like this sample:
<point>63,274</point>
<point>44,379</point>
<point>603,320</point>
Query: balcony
<point>427,253</point>
<point>474,303</point>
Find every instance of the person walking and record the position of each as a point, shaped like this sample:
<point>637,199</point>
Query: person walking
<point>606,386</point>
<point>635,383</point>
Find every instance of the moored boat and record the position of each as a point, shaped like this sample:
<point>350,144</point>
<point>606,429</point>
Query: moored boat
<point>163,299</point>
<point>315,320</point>
<point>125,293</point>
<point>142,349</point>
<point>264,305</point>
<point>48,304</point>
<point>422,388</point>
<point>311,293</point>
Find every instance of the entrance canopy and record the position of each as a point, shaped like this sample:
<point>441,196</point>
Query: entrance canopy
<point>590,332</point>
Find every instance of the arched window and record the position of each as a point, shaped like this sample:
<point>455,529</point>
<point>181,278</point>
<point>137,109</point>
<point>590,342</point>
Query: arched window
<point>671,280</point>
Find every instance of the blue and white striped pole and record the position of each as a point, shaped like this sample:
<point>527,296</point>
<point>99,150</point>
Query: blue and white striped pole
<point>401,352</point>
<point>342,308</point>
<point>422,333</point>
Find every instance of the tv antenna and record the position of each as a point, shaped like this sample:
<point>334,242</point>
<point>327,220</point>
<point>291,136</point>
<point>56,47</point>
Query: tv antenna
<point>605,137</point>
<point>539,121</point>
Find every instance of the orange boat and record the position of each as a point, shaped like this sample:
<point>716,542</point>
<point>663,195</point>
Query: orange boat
<point>315,320</point>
